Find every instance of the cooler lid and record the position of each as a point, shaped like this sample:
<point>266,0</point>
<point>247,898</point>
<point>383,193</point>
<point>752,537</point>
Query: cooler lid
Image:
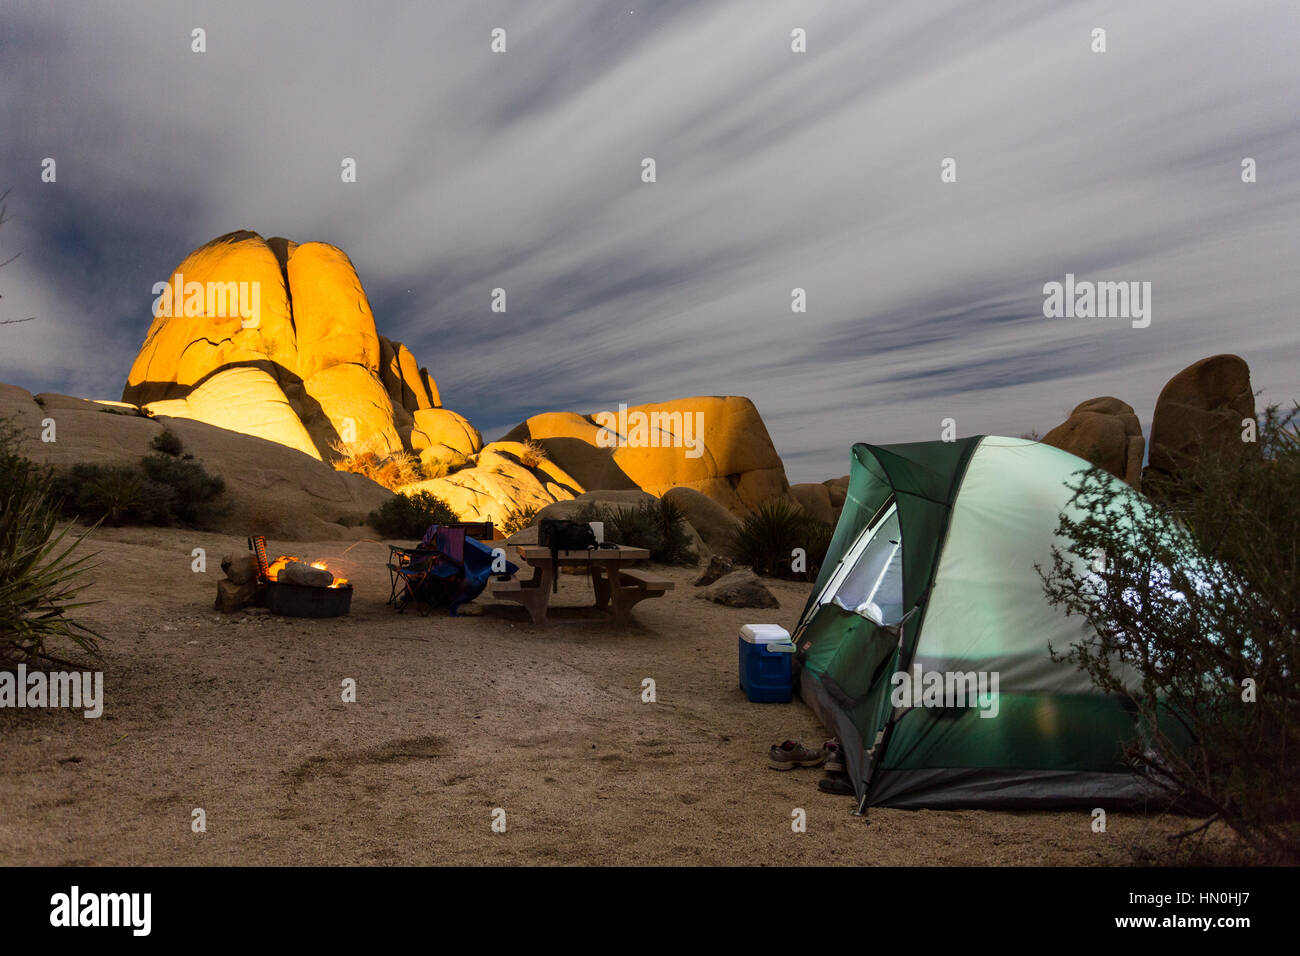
<point>764,634</point>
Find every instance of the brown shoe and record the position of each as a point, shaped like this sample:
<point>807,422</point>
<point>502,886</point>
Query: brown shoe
<point>791,754</point>
<point>836,783</point>
<point>835,756</point>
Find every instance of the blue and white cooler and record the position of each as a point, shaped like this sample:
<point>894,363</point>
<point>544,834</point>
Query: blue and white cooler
<point>766,659</point>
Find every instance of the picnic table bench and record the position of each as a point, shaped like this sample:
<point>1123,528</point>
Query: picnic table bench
<point>617,584</point>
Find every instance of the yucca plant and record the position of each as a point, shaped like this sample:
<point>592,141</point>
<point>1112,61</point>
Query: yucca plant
<point>40,575</point>
<point>766,540</point>
<point>658,526</point>
<point>117,494</point>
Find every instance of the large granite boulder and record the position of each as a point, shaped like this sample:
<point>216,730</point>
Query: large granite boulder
<point>1201,411</point>
<point>245,399</point>
<point>717,446</point>
<point>441,426</point>
<point>815,499</point>
<point>715,525</point>
<point>839,492</point>
<point>307,370</point>
<point>1105,432</point>
<point>569,509</point>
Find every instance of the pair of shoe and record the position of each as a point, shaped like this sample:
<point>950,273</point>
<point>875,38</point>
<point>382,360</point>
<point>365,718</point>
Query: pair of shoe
<point>791,753</point>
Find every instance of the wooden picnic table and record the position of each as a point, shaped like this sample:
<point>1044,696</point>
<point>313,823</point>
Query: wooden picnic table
<point>617,584</point>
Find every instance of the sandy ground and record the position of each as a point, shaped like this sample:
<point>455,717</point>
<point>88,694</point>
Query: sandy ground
<point>242,716</point>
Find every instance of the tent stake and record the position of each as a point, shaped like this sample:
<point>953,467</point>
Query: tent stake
<point>861,811</point>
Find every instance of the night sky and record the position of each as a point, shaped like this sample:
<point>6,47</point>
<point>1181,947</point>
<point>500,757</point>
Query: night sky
<point>775,170</point>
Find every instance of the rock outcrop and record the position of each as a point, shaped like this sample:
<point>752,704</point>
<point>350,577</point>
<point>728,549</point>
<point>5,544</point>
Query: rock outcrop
<point>608,500</point>
<point>718,567</point>
<point>740,588</point>
<point>715,525</point>
<point>270,488</point>
<point>1200,411</point>
<point>503,478</point>
<point>1106,432</point>
<point>276,339</point>
<point>717,446</point>
<point>816,500</point>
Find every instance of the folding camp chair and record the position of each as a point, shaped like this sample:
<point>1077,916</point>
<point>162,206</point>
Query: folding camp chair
<point>431,573</point>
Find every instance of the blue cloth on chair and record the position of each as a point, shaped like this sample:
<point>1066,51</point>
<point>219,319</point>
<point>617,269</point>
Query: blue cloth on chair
<point>463,563</point>
<point>478,570</point>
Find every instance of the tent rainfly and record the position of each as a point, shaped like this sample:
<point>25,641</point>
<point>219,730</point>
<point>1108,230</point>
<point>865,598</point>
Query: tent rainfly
<point>926,645</point>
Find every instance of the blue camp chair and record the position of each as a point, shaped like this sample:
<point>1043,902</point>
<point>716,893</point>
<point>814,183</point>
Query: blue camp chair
<point>447,568</point>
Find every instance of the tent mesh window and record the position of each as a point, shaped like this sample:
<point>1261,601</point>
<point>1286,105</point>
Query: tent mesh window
<point>873,586</point>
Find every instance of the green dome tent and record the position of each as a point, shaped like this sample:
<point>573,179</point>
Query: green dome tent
<point>925,643</point>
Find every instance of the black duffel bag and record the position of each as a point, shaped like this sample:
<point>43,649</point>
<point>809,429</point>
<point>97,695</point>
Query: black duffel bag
<point>560,535</point>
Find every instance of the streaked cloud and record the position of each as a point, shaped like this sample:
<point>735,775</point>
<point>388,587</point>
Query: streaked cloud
<point>776,170</point>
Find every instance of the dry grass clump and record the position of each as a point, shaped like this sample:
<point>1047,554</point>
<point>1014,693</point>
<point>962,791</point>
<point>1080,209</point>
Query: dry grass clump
<point>372,457</point>
<point>534,454</point>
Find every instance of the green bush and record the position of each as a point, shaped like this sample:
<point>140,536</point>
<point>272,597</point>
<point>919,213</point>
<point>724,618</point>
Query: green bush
<point>517,519</point>
<point>168,442</point>
<point>160,490</point>
<point>1199,595</point>
<point>40,577</point>
<point>766,540</point>
<point>658,526</point>
<point>409,516</point>
<point>193,490</point>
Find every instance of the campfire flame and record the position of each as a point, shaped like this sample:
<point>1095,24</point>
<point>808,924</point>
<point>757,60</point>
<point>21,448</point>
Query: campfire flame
<point>276,566</point>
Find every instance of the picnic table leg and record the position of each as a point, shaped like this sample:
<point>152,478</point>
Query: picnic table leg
<point>600,583</point>
<point>544,575</point>
<point>622,607</point>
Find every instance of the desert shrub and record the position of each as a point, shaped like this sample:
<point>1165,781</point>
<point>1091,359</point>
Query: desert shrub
<point>373,458</point>
<point>1199,593</point>
<point>160,490</point>
<point>766,539</point>
<point>40,576</point>
<point>409,516</point>
<point>168,442</point>
<point>192,490</point>
<point>658,526</point>
<point>517,519</point>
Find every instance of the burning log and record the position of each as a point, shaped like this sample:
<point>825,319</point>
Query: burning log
<point>290,570</point>
<point>295,572</point>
